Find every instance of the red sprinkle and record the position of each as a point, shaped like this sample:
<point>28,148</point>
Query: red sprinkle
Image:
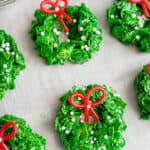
<point>57,10</point>
<point>88,105</point>
<point>144,4</point>
<point>4,138</point>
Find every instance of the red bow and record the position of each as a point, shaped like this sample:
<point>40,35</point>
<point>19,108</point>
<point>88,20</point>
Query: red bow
<point>58,10</point>
<point>88,105</point>
<point>148,69</point>
<point>8,137</point>
<point>144,4</point>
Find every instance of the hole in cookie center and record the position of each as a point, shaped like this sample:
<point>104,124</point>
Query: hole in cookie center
<point>91,120</point>
<point>63,37</point>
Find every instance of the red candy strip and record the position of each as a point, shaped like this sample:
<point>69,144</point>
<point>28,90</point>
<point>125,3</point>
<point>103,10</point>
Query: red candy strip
<point>144,4</point>
<point>57,10</point>
<point>3,137</point>
<point>88,105</point>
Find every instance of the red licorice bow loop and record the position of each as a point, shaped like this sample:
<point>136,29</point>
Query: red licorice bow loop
<point>76,95</point>
<point>8,137</point>
<point>144,4</point>
<point>58,8</point>
<point>103,96</point>
<point>88,105</point>
<point>148,68</point>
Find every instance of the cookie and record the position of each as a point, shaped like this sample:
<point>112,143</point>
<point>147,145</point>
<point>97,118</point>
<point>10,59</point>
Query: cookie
<point>19,135</point>
<point>91,118</point>
<point>142,89</point>
<point>130,23</point>
<point>11,63</point>
<point>82,33</point>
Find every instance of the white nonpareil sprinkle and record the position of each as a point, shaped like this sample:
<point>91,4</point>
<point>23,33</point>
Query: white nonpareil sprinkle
<point>13,53</point>
<point>4,66</point>
<point>81,29</point>
<point>112,16</point>
<point>92,142</point>
<point>92,132</point>
<point>55,45</point>
<point>7,44</point>
<point>83,88</point>
<point>108,117</point>
<point>71,113</point>
<point>79,98</point>
<point>1,139</point>
<point>3,45</point>
<point>55,30</point>
<point>88,106</point>
<point>82,47</point>
<point>1,49</point>
<point>95,139</point>
<point>106,137</point>
<point>86,47</point>
<point>63,128</point>
<point>98,32</point>
<point>42,33</point>
<point>73,119</point>
<point>7,48</point>
<point>74,20</point>
<point>136,28</point>
<point>83,37</point>
<point>133,15</point>
<point>67,131</point>
<point>57,9</point>
<point>120,120</point>
<point>21,72</point>
<point>94,29</point>
<point>137,37</point>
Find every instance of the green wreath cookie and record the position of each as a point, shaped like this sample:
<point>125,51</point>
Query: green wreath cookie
<point>130,23</point>
<point>11,63</point>
<point>16,134</point>
<point>91,118</point>
<point>83,34</point>
<point>142,88</point>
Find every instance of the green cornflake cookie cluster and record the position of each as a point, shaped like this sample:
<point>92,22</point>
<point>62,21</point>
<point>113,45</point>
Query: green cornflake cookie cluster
<point>25,139</point>
<point>129,25</point>
<point>11,63</point>
<point>142,88</point>
<point>83,39</point>
<point>103,135</point>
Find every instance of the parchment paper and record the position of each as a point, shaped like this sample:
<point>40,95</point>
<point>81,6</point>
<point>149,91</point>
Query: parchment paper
<point>36,97</point>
